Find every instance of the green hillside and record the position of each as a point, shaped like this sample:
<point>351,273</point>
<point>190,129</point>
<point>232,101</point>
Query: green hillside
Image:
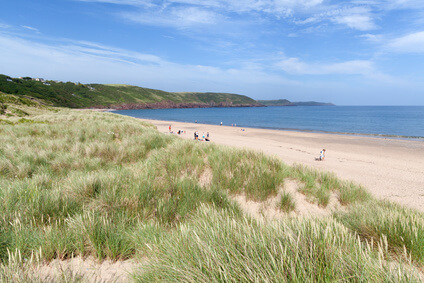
<point>76,95</point>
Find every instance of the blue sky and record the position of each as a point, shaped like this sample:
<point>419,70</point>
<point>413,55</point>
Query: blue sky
<point>358,52</point>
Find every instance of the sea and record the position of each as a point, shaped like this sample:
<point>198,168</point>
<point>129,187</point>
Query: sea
<point>404,122</point>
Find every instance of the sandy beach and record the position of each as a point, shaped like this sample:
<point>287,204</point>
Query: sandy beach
<point>391,169</point>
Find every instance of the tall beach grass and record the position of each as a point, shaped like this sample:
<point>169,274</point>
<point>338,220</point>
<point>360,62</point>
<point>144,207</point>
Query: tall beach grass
<point>82,183</point>
<point>218,246</point>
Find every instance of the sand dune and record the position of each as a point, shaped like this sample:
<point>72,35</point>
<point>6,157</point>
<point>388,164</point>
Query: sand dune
<point>390,169</point>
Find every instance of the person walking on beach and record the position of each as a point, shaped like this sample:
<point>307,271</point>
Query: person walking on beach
<point>169,128</point>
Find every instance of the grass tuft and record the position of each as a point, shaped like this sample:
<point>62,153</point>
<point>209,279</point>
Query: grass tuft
<point>286,203</point>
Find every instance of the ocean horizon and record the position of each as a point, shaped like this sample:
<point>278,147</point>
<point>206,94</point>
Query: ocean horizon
<point>405,122</point>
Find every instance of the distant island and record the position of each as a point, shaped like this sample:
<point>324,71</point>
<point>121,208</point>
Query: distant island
<point>122,97</point>
<point>285,102</point>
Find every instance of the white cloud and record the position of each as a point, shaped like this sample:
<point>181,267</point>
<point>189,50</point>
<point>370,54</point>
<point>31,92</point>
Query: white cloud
<point>31,28</point>
<point>122,2</point>
<point>411,43</point>
<point>405,4</point>
<point>359,22</point>
<point>90,62</point>
<point>178,17</point>
<point>356,14</point>
<point>295,66</point>
<point>309,20</point>
<point>359,18</point>
<point>187,13</point>
<point>4,26</point>
<point>391,4</point>
<point>117,54</point>
<point>310,3</point>
<point>241,6</point>
<point>275,7</point>
<point>372,37</point>
<point>193,15</point>
<point>356,18</point>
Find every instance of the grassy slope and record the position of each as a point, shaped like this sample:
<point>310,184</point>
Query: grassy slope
<point>87,183</point>
<point>17,107</point>
<point>80,96</point>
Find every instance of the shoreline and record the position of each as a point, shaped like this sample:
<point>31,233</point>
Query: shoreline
<point>383,136</point>
<point>389,168</point>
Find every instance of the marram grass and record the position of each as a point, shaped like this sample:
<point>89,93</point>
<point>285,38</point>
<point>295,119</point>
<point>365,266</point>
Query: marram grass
<point>286,202</point>
<point>217,246</point>
<point>403,228</point>
<point>317,186</point>
<point>82,183</point>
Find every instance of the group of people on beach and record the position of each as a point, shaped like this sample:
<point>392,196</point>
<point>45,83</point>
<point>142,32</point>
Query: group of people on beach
<point>196,134</point>
<point>178,132</point>
<point>204,138</point>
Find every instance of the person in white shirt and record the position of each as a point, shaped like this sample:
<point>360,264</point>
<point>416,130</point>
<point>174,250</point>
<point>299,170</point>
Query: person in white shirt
<point>322,155</point>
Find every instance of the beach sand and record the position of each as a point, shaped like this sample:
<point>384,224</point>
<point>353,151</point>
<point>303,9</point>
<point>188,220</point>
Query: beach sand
<point>391,169</point>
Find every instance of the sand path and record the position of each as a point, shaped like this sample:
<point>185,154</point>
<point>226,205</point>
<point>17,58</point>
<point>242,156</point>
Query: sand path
<point>390,169</point>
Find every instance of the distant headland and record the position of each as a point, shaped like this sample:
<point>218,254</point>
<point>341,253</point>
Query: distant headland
<point>285,102</point>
